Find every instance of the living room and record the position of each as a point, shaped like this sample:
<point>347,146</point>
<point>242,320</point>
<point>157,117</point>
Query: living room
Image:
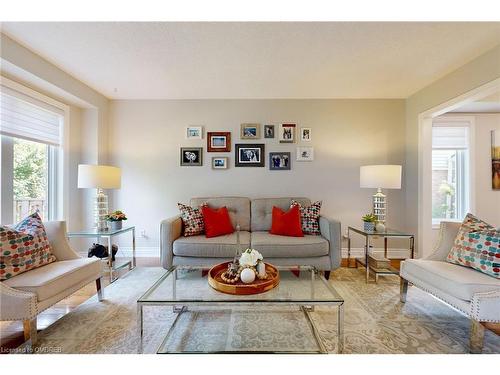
<point>221,187</point>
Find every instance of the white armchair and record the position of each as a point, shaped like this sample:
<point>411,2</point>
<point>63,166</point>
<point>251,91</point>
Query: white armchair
<point>24,296</point>
<point>471,292</point>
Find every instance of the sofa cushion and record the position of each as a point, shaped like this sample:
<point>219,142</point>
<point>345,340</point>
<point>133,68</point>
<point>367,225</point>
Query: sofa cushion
<point>309,216</point>
<point>271,245</point>
<point>192,218</point>
<point>238,207</point>
<point>217,221</point>
<point>460,282</point>
<point>215,247</point>
<point>262,210</point>
<point>286,223</point>
<point>54,278</point>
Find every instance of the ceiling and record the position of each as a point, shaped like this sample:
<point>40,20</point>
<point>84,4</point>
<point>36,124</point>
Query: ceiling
<point>161,60</point>
<point>489,104</point>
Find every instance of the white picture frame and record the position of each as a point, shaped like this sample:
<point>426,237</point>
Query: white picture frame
<point>220,162</point>
<point>287,133</point>
<point>305,134</point>
<point>305,154</point>
<point>194,132</point>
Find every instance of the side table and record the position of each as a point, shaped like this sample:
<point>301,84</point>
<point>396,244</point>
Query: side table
<point>388,233</point>
<point>109,234</point>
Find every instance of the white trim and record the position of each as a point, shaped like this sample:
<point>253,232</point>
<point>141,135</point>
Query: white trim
<point>424,157</point>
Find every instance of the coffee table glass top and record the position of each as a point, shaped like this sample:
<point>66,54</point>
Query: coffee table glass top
<point>189,284</point>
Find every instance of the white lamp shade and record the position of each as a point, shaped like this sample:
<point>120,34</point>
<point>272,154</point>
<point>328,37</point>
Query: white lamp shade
<point>99,176</point>
<point>380,176</point>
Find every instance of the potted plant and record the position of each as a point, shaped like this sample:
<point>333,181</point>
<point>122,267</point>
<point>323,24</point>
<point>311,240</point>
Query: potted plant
<point>115,218</point>
<point>369,222</point>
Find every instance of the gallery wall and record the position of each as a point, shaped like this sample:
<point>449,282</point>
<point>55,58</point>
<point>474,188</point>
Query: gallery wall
<point>146,136</point>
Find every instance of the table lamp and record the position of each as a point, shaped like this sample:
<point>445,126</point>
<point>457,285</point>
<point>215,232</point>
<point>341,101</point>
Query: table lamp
<point>380,177</point>
<point>99,177</point>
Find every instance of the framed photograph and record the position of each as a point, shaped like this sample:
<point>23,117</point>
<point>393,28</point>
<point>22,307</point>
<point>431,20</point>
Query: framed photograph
<point>191,156</point>
<point>194,132</point>
<point>250,131</point>
<point>495,159</point>
<point>287,133</point>
<point>279,161</point>
<point>219,141</point>
<point>305,134</point>
<point>268,131</point>
<point>220,162</point>
<point>249,155</point>
<point>305,154</point>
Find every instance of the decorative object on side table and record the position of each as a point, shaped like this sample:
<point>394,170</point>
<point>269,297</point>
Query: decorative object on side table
<point>99,177</point>
<point>115,219</point>
<point>369,222</point>
<point>378,177</point>
<point>219,141</point>
<point>191,156</point>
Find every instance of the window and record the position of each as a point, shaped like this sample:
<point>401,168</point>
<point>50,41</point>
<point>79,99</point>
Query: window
<point>30,153</point>
<point>450,170</point>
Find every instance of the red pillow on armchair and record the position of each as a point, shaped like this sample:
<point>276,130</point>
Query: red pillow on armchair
<point>287,223</point>
<point>217,221</point>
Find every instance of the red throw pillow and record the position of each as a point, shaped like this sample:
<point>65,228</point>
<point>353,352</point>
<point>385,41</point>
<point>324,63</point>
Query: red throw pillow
<point>217,221</point>
<point>287,223</point>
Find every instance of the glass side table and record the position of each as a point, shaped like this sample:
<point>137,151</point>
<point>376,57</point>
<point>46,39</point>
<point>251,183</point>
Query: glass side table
<point>364,261</point>
<point>109,234</point>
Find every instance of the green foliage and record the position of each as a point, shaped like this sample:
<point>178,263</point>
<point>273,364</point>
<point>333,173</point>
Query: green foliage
<point>369,218</point>
<point>30,169</point>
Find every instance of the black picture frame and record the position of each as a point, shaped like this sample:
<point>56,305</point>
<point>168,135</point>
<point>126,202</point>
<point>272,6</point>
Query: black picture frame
<point>280,161</point>
<point>184,158</point>
<point>254,158</point>
<point>268,131</point>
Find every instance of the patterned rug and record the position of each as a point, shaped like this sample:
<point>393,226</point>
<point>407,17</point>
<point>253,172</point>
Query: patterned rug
<point>375,322</point>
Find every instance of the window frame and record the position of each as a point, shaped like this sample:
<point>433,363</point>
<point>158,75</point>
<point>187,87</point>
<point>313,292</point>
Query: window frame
<point>459,121</point>
<point>58,160</point>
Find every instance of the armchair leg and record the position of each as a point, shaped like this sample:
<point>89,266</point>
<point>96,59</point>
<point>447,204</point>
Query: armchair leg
<point>403,289</point>
<point>327,275</point>
<point>476,337</point>
<point>100,292</point>
<point>30,332</point>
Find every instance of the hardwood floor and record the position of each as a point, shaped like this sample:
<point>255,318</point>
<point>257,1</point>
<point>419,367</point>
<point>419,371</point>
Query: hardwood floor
<point>11,333</point>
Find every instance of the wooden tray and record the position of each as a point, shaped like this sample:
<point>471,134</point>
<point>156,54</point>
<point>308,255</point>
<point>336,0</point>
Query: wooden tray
<point>240,288</point>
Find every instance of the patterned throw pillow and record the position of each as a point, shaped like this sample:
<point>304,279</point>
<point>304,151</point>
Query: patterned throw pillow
<point>192,218</point>
<point>461,248</point>
<point>482,252</point>
<point>24,247</point>
<point>309,216</point>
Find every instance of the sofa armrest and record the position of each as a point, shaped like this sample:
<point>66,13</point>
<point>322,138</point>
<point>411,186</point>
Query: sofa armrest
<point>170,230</point>
<point>448,231</point>
<point>16,304</point>
<point>485,307</point>
<point>331,230</point>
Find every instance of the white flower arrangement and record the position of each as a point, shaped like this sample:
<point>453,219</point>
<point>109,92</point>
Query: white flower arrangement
<point>250,257</point>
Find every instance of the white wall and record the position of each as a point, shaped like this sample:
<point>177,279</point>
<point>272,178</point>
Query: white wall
<point>145,137</point>
<point>487,200</point>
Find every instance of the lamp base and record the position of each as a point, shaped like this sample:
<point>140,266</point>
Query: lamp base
<point>100,211</point>
<point>380,206</point>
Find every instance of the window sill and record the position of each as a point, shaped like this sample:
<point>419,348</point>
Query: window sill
<point>436,223</point>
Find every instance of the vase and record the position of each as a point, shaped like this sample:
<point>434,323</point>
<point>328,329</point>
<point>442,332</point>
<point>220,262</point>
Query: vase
<point>368,226</point>
<point>116,225</point>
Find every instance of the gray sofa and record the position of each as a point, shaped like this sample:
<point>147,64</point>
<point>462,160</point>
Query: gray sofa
<point>254,217</point>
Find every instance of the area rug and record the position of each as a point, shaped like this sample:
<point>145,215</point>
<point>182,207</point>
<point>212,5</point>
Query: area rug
<point>375,322</point>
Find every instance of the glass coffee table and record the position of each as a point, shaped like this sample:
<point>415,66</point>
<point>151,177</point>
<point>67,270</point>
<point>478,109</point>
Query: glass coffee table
<point>300,287</point>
